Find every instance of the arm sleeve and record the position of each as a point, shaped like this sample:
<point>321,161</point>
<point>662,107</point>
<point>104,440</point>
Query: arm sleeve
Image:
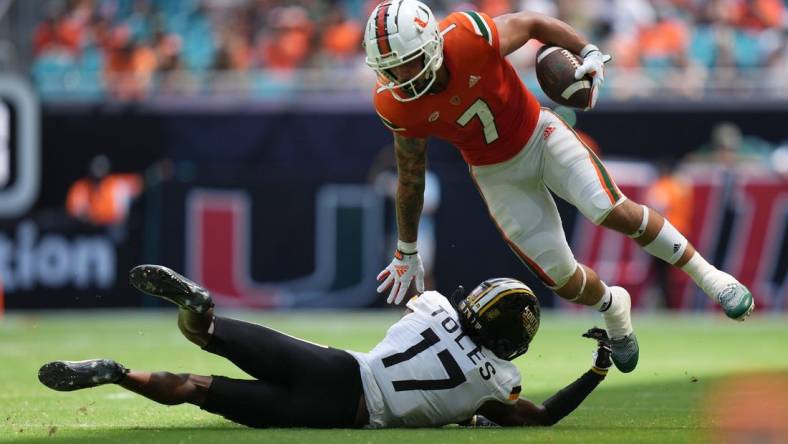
<point>567,399</point>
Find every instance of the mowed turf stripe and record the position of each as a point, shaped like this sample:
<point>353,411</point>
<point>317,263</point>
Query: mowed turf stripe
<point>655,404</point>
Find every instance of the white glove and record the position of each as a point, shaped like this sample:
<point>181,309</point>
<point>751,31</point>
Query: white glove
<point>399,274</point>
<point>594,66</point>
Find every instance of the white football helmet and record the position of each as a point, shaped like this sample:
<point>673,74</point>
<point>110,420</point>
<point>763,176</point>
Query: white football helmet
<point>397,32</point>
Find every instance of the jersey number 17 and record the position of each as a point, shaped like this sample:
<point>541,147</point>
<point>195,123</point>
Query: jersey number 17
<point>456,377</point>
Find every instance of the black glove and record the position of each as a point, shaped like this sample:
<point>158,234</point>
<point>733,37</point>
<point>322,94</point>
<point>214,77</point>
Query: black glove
<point>602,361</point>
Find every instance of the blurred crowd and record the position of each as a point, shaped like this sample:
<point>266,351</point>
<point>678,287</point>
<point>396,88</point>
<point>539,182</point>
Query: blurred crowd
<point>128,48</point>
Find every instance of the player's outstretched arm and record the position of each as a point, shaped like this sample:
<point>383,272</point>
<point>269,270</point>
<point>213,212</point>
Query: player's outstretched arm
<point>516,29</point>
<point>558,406</point>
<point>411,171</point>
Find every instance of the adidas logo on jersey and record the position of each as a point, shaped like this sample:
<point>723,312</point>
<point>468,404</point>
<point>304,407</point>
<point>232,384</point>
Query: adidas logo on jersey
<point>473,80</point>
<point>547,131</point>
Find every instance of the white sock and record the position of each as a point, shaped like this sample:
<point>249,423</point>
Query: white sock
<point>697,268</point>
<point>709,279</point>
<point>606,301</point>
<point>617,317</point>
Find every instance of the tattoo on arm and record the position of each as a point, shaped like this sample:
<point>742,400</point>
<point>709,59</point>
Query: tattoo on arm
<point>411,169</point>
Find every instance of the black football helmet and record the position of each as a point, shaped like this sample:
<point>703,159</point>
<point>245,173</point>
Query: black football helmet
<point>501,314</point>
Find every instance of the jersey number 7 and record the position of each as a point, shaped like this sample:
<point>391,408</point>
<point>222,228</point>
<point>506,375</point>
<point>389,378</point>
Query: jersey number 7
<point>456,377</point>
<point>481,110</point>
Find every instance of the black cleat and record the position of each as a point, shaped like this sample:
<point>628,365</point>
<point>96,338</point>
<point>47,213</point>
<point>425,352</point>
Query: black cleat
<point>164,283</point>
<point>65,376</point>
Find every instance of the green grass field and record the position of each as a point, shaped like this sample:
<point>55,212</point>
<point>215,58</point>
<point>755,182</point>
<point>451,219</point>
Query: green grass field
<point>662,401</point>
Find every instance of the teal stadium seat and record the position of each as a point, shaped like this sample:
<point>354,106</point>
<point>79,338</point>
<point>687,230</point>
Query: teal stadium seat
<point>49,71</point>
<point>91,67</point>
<point>746,49</point>
<point>199,43</point>
<point>702,47</point>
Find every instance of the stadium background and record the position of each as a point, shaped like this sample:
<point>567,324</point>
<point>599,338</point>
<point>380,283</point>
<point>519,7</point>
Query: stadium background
<point>235,141</point>
<point>242,149</point>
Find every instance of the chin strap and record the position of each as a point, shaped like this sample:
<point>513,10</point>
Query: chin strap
<point>457,295</point>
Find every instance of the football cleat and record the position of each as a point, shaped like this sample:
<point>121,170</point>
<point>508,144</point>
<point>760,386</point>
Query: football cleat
<point>736,300</point>
<point>166,284</point>
<point>625,352</point>
<point>623,342</point>
<point>65,376</point>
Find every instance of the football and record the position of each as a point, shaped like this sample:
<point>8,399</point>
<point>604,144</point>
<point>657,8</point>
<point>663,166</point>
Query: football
<point>555,71</point>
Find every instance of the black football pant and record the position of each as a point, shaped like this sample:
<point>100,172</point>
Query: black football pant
<point>298,383</point>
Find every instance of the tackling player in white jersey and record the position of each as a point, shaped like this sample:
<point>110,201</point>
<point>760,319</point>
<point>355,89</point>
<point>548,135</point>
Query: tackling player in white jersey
<point>444,362</point>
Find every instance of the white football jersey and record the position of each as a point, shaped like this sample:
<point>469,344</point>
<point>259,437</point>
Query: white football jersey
<point>427,372</point>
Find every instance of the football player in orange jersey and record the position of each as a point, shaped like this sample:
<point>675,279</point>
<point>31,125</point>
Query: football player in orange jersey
<point>451,80</point>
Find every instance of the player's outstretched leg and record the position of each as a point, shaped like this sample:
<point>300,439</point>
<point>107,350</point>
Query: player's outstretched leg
<point>66,376</point>
<point>585,287</point>
<point>195,314</point>
<point>168,388</point>
<point>660,239</point>
<point>162,387</point>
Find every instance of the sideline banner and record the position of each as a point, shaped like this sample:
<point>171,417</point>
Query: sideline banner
<point>289,209</point>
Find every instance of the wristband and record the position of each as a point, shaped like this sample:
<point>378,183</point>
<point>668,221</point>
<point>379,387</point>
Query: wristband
<point>406,247</point>
<point>588,49</point>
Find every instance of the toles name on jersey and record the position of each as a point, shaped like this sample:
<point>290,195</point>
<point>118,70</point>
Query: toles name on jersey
<point>475,354</point>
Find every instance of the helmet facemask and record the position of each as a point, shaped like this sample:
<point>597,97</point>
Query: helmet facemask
<point>431,53</point>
